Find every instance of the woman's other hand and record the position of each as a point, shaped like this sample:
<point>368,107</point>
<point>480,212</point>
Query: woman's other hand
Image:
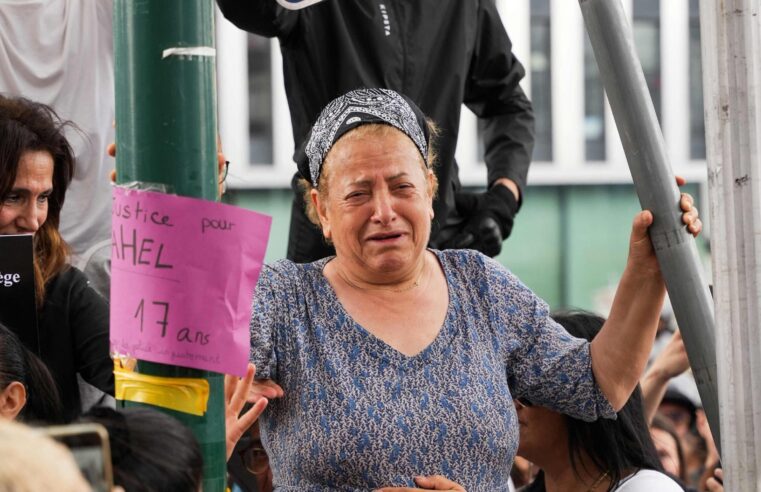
<point>433,482</point>
<point>236,390</point>
<point>264,388</point>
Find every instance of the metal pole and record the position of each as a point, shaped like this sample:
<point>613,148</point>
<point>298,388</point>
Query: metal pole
<point>166,134</point>
<point>730,37</point>
<point>624,82</point>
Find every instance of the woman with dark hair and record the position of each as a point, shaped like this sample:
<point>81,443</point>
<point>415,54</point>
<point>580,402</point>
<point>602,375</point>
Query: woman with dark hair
<point>668,445</point>
<point>36,166</point>
<point>602,455</point>
<point>27,391</point>
<point>150,450</point>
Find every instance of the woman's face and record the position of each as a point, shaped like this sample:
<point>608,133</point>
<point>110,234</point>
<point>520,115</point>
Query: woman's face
<point>666,446</point>
<point>379,203</point>
<point>25,207</point>
<point>543,433</point>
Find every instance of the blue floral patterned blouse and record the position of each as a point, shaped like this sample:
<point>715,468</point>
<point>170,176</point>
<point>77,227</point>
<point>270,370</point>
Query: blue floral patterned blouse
<point>358,415</point>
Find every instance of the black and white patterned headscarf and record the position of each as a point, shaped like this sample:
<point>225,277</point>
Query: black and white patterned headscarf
<point>355,108</point>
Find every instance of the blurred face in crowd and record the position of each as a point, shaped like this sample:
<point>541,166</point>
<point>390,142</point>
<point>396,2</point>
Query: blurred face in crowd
<point>678,415</point>
<point>668,453</point>
<point>542,432</point>
<point>25,207</point>
<point>378,202</point>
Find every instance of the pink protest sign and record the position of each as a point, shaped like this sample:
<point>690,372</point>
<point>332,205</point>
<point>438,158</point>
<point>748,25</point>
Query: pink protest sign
<point>183,273</point>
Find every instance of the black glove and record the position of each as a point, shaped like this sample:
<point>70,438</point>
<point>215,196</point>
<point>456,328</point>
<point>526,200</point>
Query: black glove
<point>488,220</point>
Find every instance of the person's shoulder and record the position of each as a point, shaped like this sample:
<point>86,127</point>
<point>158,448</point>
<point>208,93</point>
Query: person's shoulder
<point>286,272</point>
<point>474,270</point>
<point>463,257</point>
<point>289,268</point>
<point>71,287</point>
<point>280,267</point>
<point>472,261</point>
<point>69,276</point>
<point>647,481</point>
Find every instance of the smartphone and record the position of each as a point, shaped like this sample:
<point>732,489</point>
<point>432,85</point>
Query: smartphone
<point>89,445</point>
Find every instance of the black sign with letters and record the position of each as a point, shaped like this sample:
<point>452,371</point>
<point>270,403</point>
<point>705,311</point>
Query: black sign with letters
<point>17,306</point>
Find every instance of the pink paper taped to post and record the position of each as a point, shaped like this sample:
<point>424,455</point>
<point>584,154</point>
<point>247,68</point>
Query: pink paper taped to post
<point>183,273</point>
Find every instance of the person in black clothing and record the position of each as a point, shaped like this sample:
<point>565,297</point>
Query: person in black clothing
<point>441,54</point>
<point>36,166</point>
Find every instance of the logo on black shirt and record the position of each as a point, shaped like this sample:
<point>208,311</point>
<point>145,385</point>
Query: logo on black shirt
<point>386,22</point>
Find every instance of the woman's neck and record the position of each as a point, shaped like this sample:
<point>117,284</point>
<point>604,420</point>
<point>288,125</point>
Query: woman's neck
<point>395,282</point>
<point>560,476</point>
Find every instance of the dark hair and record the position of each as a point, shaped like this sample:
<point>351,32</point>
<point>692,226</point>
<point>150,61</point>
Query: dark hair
<point>17,363</point>
<point>664,424</point>
<point>30,126</point>
<point>150,450</point>
<point>619,447</point>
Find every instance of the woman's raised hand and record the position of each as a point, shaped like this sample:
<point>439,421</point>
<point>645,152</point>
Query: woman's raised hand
<point>236,391</point>
<point>641,252</point>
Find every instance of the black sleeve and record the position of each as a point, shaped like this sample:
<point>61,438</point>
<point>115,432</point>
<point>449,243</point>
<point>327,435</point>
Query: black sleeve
<point>262,17</point>
<point>89,321</point>
<point>493,94</point>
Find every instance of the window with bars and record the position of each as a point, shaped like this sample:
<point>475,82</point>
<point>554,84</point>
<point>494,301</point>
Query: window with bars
<point>259,100</point>
<point>646,24</point>
<point>541,78</point>
<point>697,117</point>
<point>594,107</point>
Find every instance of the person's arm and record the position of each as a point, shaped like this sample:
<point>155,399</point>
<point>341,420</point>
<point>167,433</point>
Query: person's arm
<point>262,17</point>
<point>620,351</point>
<point>89,321</point>
<point>493,93</point>
<point>544,364</point>
<point>269,316</point>
<point>671,362</point>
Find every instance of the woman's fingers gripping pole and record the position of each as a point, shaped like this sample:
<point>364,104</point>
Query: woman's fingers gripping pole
<point>690,214</point>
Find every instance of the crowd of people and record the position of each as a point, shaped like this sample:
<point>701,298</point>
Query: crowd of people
<point>389,352</point>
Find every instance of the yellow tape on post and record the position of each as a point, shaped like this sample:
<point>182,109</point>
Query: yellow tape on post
<point>187,395</point>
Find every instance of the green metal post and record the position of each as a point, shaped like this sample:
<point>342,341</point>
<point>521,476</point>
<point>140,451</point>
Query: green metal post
<point>166,134</point>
